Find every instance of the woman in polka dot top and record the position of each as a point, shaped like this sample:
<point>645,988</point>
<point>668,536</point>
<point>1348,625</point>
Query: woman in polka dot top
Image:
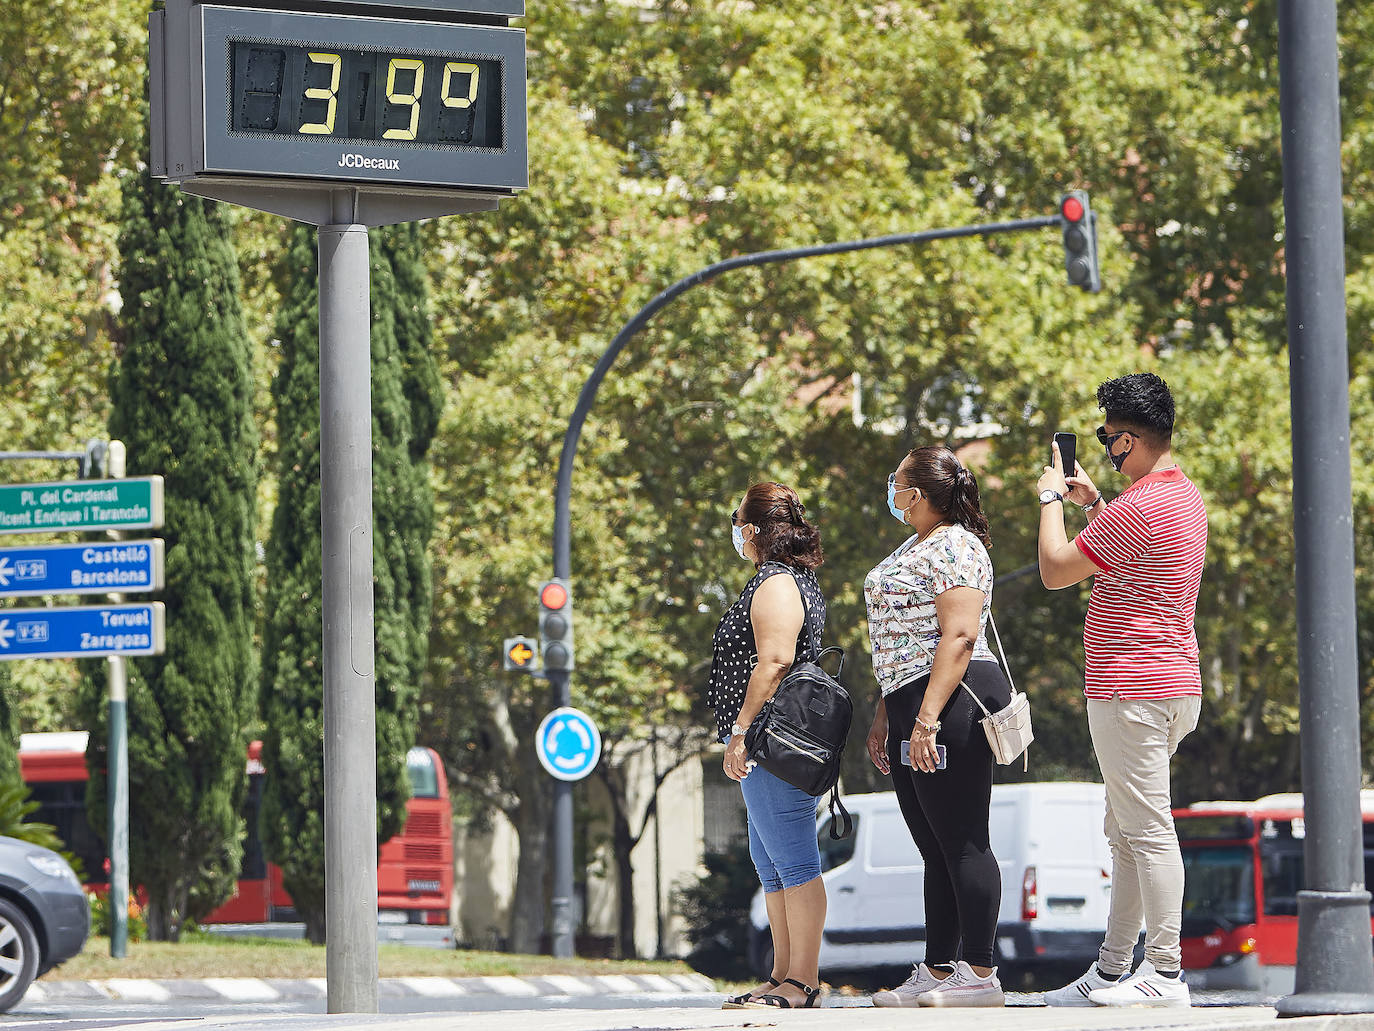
<point>778,619</point>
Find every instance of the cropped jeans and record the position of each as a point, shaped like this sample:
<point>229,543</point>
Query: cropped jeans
<point>782,831</point>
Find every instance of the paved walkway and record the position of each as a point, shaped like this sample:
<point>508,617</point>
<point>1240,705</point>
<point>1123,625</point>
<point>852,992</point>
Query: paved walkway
<point>831,1019</point>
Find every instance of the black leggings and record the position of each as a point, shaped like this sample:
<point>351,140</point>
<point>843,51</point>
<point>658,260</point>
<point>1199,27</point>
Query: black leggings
<point>947,814</point>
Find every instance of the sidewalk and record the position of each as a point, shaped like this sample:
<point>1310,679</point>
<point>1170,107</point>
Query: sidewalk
<point>831,1019</point>
<point>259,990</point>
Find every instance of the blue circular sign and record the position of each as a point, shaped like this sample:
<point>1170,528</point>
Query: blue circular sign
<point>568,744</point>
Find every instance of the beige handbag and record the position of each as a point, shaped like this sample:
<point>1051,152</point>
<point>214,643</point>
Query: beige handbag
<point>1009,730</point>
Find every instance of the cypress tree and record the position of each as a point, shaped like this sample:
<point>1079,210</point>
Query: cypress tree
<point>292,666</point>
<point>182,402</point>
<point>9,732</point>
<point>406,396</point>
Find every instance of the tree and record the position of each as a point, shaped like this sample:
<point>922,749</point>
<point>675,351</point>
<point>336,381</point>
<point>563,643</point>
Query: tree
<point>292,689</point>
<point>182,403</point>
<point>9,733</point>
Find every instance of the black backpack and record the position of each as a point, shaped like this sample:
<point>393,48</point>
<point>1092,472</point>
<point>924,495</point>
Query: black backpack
<point>800,733</point>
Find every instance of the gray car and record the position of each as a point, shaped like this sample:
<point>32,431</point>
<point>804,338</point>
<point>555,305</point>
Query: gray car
<point>44,916</point>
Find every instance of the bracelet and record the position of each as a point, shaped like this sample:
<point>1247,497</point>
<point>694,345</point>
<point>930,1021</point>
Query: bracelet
<point>1092,503</point>
<point>928,728</point>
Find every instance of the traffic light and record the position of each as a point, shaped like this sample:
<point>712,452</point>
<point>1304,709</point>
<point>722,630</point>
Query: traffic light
<point>555,625</point>
<point>1080,241</point>
<point>519,655</point>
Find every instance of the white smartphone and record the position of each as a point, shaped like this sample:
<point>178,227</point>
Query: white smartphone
<point>939,754</point>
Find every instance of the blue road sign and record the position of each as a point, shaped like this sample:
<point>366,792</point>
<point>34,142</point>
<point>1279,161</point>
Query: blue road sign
<point>568,744</point>
<point>82,632</point>
<point>104,568</point>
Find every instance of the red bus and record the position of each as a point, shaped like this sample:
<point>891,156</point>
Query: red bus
<point>414,869</point>
<point>1243,869</point>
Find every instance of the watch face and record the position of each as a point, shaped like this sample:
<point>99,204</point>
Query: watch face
<point>1046,496</point>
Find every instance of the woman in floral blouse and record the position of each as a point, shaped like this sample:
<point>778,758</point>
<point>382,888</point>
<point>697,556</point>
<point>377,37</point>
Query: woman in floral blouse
<point>928,605</point>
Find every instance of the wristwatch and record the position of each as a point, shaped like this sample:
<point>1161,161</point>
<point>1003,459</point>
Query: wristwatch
<point>736,730</point>
<point>1047,495</point>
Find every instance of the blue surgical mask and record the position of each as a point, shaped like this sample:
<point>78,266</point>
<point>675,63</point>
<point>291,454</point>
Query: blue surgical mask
<point>897,513</point>
<point>737,538</point>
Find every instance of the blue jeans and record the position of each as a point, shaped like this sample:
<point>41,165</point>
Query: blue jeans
<point>782,831</point>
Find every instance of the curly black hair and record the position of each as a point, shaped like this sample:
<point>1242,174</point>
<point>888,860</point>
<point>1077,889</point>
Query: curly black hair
<point>1142,402</point>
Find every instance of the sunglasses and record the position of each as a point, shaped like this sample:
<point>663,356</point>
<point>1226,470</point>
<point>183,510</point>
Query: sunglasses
<point>1108,440</point>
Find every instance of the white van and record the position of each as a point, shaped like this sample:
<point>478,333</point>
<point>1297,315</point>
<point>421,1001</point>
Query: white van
<point>1056,882</point>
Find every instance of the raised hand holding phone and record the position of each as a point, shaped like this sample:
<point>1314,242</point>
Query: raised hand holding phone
<point>1080,489</point>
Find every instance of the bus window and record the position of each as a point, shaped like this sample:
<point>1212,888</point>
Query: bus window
<point>1218,888</point>
<point>1282,865</point>
<point>424,780</point>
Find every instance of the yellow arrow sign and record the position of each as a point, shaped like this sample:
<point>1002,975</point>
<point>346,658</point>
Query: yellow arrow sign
<point>521,654</point>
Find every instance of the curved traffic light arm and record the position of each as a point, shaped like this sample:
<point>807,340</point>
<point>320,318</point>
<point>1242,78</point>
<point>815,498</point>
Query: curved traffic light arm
<point>562,522</point>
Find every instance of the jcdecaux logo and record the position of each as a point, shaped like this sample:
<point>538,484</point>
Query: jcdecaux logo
<point>358,161</point>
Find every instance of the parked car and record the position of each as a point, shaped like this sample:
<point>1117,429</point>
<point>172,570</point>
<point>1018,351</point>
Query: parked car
<point>1056,882</point>
<point>44,916</point>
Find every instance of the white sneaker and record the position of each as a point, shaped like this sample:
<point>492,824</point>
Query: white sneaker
<point>920,981</point>
<point>965,988</point>
<point>1144,988</point>
<point>1075,993</point>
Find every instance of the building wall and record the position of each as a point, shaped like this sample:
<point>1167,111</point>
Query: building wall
<point>484,865</point>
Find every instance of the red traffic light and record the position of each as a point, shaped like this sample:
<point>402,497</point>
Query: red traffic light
<point>553,595</point>
<point>1072,209</point>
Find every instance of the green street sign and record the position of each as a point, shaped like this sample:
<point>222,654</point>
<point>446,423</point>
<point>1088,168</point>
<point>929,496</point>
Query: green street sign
<point>129,504</point>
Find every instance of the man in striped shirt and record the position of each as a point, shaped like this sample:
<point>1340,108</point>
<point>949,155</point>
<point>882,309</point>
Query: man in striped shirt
<point>1145,551</point>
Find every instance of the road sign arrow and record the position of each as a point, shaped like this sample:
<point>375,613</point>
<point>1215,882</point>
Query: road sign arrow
<point>5,633</point>
<point>5,570</point>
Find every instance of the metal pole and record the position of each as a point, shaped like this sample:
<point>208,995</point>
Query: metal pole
<point>562,509</point>
<point>117,773</point>
<point>1335,971</point>
<point>562,929</point>
<point>350,730</point>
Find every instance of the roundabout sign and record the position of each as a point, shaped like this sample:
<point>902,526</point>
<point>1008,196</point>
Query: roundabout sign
<point>568,744</point>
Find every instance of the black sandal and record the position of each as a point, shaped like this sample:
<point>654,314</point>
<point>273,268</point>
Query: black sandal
<point>736,1002</point>
<point>813,996</point>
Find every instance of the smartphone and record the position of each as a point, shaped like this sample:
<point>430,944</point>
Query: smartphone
<point>939,755</point>
<point>1068,451</point>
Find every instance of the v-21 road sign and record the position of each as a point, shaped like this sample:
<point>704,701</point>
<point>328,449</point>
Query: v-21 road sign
<point>82,632</point>
<point>107,567</point>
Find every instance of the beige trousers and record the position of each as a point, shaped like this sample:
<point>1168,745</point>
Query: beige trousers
<point>1134,741</point>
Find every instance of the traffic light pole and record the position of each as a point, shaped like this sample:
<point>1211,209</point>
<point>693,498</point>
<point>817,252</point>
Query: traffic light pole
<point>562,517</point>
<point>1335,971</point>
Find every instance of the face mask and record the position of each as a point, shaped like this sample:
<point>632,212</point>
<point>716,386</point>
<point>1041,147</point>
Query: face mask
<point>1119,460</point>
<point>737,538</point>
<point>897,513</point>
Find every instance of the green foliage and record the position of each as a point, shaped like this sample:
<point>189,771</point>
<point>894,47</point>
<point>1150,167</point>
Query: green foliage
<point>292,686</point>
<point>716,912</point>
<point>182,403</point>
<point>135,924</point>
<point>16,806</point>
<point>9,733</point>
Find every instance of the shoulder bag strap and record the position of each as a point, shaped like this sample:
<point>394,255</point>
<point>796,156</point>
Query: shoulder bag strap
<point>998,638</point>
<point>843,819</point>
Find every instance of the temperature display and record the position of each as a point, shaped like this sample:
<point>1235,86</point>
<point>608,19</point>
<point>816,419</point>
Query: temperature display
<point>371,96</point>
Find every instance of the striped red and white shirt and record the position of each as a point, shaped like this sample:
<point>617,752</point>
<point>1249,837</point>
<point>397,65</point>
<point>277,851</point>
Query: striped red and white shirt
<point>1149,546</point>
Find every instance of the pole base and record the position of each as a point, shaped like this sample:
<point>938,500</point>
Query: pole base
<point>1335,969</point>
